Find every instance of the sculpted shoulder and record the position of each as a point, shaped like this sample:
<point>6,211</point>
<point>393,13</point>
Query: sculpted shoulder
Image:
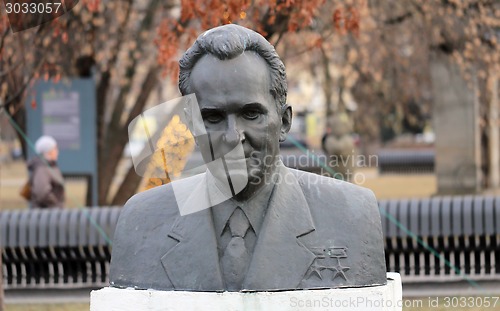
<point>327,196</point>
<point>327,186</point>
<point>330,198</point>
<point>150,209</point>
<point>140,238</point>
<point>348,216</point>
<point>159,198</point>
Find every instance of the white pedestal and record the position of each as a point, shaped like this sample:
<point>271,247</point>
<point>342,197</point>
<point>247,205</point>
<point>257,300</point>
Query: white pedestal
<point>387,298</point>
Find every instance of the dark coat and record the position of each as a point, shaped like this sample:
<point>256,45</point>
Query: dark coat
<point>47,184</point>
<point>318,232</point>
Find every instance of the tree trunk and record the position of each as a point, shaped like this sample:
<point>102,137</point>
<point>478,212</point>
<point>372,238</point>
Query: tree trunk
<point>108,166</point>
<point>117,139</point>
<point>327,84</point>
<point>127,188</point>
<point>494,148</point>
<point>19,118</point>
<point>1,282</point>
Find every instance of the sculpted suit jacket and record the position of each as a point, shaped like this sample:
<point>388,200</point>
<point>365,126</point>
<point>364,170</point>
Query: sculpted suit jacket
<point>318,232</point>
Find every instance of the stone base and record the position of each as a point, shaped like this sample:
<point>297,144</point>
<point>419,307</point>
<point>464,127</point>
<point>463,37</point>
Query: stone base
<point>388,297</point>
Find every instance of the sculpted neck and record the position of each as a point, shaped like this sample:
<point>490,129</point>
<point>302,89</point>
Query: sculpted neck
<point>261,183</point>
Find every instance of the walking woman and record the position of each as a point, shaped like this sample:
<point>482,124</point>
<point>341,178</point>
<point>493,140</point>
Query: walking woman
<point>47,183</point>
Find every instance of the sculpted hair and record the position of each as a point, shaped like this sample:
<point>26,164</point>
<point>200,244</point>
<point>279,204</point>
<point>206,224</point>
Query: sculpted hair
<point>230,41</point>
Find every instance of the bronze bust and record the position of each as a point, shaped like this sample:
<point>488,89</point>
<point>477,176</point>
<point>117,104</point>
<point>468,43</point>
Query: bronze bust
<point>248,223</point>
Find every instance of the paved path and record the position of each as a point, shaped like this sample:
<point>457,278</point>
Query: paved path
<point>27,296</point>
<point>483,288</point>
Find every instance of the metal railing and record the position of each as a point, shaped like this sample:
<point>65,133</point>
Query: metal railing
<point>443,238</point>
<point>426,240</point>
<point>57,247</point>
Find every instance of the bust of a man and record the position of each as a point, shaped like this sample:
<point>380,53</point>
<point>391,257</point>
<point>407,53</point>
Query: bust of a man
<point>248,222</point>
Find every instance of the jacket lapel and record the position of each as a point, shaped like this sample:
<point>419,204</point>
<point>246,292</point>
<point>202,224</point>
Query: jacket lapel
<point>193,263</point>
<point>280,260</point>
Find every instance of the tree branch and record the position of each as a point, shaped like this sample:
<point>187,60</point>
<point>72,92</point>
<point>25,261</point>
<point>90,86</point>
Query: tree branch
<point>120,135</point>
<point>19,92</point>
<point>327,84</point>
<point>4,35</point>
<point>398,19</point>
<point>103,86</point>
<point>129,185</point>
<point>131,69</point>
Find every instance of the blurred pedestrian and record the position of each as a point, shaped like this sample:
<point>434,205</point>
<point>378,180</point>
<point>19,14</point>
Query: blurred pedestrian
<point>47,183</point>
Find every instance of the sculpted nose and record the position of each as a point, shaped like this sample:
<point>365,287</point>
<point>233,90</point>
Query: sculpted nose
<point>234,134</point>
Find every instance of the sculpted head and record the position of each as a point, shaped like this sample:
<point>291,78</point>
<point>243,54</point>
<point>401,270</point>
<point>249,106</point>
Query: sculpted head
<point>228,42</point>
<point>240,85</point>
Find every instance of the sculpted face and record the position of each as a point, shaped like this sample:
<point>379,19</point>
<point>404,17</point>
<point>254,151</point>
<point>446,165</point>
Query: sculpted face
<point>239,113</point>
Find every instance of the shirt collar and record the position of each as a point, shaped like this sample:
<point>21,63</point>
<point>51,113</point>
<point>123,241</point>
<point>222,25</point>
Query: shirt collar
<point>255,208</point>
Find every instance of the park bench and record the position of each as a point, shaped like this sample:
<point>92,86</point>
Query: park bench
<point>426,240</point>
<point>443,238</point>
<point>405,161</point>
<point>57,248</point>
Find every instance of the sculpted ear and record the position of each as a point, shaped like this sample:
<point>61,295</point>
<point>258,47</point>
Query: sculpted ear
<point>286,122</point>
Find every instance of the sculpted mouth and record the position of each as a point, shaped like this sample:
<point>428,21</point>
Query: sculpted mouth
<point>233,158</point>
<point>246,157</point>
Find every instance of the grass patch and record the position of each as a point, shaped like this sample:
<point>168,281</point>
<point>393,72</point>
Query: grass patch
<point>49,307</point>
<point>395,186</point>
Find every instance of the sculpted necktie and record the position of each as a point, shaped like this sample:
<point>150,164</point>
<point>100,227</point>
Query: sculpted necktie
<point>236,255</point>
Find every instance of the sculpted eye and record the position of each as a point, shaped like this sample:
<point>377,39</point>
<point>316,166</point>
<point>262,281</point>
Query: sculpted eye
<point>213,117</point>
<point>251,114</point>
